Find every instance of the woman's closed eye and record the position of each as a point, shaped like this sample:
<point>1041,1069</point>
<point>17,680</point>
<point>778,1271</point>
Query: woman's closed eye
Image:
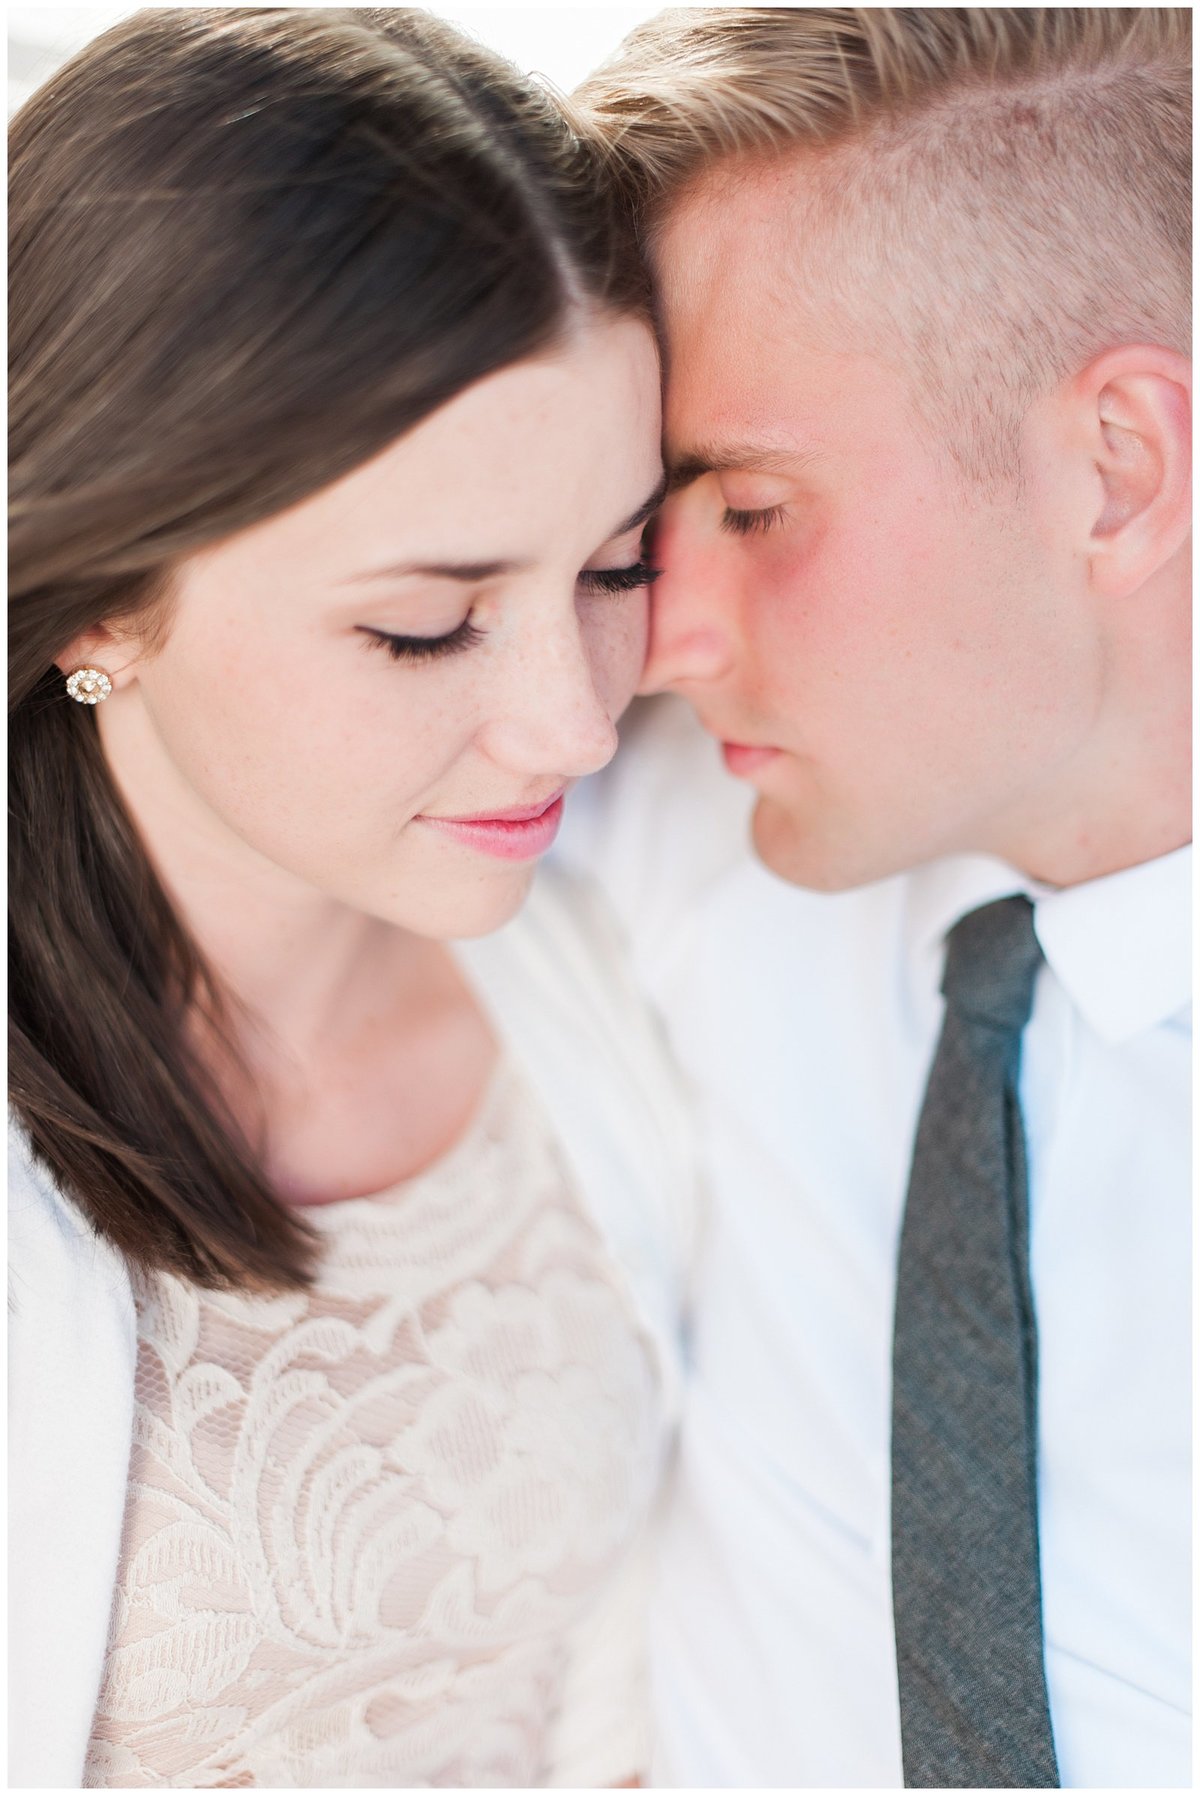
<point>609,580</point>
<point>619,579</point>
<point>423,648</point>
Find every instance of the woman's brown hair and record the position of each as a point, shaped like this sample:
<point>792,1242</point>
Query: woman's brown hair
<point>249,248</point>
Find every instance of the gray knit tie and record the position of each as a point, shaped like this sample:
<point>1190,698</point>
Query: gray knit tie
<point>965,1577</point>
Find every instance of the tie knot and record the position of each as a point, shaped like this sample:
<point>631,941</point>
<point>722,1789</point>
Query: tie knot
<point>992,959</point>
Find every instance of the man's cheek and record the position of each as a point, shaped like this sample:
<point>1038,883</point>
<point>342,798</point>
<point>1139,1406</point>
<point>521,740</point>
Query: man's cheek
<point>794,604</point>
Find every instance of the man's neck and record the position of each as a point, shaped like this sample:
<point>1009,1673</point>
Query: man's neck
<point>1084,846</point>
<point>1086,828</point>
<point>1124,796</point>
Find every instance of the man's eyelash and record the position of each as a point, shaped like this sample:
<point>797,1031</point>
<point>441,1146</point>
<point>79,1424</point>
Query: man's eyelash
<point>745,523</point>
<point>619,579</point>
<point>424,648</point>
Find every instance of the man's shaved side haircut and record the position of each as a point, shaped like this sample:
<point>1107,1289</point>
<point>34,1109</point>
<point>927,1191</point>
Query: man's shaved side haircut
<point>987,196</point>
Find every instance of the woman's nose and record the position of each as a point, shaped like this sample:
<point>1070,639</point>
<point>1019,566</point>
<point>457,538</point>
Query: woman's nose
<point>555,720</point>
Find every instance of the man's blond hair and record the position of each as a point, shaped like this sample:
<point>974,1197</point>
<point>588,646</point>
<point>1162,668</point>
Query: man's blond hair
<point>1004,191</point>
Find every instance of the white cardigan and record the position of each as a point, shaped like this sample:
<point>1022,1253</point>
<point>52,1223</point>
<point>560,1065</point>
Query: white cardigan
<point>555,985</point>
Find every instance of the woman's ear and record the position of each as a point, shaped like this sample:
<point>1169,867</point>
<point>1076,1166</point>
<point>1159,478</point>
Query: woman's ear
<point>1134,407</point>
<point>106,647</point>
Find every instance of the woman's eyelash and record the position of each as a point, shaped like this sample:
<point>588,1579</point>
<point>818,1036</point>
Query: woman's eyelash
<point>428,648</point>
<point>619,579</point>
<point>424,648</point>
<point>745,523</point>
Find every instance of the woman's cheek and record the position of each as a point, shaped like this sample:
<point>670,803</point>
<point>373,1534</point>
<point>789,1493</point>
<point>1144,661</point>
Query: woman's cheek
<point>616,637</point>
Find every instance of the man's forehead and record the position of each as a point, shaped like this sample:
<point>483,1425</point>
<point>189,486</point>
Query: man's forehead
<point>754,402</point>
<point>739,308</point>
<point>741,208</point>
<point>707,261</point>
<point>754,192</point>
<point>765,369</point>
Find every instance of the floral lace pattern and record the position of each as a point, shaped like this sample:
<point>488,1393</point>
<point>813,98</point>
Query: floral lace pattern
<point>362,1520</point>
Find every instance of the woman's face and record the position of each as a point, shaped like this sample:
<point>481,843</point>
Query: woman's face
<point>444,636</point>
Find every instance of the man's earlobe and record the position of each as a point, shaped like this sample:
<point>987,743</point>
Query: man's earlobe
<point>1139,402</point>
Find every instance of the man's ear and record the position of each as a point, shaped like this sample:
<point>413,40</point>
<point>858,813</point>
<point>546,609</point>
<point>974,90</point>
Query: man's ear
<point>1133,406</point>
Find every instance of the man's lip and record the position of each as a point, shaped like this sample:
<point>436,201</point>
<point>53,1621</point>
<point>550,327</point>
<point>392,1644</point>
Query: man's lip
<point>517,813</point>
<point>742,758</point>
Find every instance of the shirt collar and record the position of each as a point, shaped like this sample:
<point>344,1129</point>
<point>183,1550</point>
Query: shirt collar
<point>1120,946</point>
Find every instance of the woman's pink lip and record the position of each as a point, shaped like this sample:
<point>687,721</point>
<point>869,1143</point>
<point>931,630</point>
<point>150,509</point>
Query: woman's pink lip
<point>516,813</point>
<point>742,759</point>
<point>505,837</point>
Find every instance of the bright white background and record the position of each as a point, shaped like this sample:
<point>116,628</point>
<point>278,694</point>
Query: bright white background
<point>563,42</point>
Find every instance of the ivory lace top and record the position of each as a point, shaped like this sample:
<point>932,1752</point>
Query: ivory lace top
<point>363,1522</point>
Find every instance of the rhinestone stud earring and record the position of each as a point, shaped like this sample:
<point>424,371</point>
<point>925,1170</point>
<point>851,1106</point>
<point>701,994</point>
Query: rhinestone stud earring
<point>88,685</point>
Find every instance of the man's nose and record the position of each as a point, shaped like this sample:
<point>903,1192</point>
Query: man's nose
<point>691,608</point>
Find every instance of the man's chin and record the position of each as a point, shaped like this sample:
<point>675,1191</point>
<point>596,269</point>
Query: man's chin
<point>804,851</point>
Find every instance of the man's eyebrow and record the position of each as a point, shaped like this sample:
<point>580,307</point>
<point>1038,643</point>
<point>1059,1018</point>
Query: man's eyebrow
<point>729,458</point>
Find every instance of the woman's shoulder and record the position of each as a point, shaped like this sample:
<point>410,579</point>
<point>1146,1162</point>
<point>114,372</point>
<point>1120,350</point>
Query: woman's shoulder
<point>71,1358</point>
<point>56,1259</point>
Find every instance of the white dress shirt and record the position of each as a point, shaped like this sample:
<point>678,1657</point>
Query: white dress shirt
<point>808,1024</point>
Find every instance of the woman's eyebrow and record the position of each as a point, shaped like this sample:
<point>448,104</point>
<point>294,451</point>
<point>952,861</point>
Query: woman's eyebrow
<point>472,571</point>
<point>644,513</point>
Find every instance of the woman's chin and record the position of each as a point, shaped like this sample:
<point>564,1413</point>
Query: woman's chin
<point>467,908</point>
